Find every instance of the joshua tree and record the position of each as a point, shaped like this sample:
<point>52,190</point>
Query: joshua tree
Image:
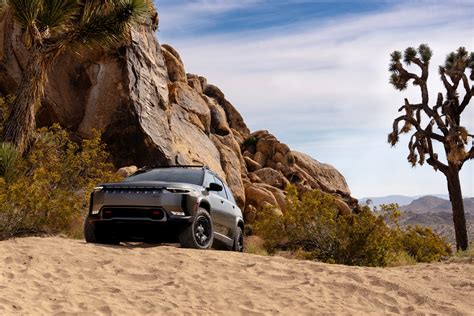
<point>437,123</point>
<point>49,28</point>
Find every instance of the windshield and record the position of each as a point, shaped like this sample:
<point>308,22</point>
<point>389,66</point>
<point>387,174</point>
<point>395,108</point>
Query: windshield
<point>181,175</point>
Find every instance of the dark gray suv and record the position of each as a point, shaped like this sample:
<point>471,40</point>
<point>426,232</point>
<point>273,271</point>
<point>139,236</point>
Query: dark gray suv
<point>189,204</point>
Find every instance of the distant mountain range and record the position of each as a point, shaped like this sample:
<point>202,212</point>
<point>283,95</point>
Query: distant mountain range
<point>401,200</point>
<point>420,204</point>
<point>430,210</point>
<point>433,204</point>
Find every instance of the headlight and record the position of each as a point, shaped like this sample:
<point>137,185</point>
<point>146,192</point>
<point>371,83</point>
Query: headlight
<point>98,188</point>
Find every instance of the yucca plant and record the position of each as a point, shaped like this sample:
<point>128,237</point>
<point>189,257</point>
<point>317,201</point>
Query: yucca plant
<point>8,161</point>
<point>437,122</point>
<point>49,27</point>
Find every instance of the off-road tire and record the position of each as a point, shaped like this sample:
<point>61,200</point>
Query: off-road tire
<point>192,236</point>
<point>238,240</point>
<point>92,235</point>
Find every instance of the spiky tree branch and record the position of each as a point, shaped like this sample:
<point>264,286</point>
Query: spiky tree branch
<point>448,121</point>
<point>49,28</point>
<point>444,116</point>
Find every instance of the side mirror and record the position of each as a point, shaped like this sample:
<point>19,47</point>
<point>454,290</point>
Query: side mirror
<point>215,187</point>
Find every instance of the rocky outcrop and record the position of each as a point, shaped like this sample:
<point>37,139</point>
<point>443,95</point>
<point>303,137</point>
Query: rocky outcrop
<point>126,171</point>
<point>272,166</point>
<point>174,64</point>
<point>152,112</point>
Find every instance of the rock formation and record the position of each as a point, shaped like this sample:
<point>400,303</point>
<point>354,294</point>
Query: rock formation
<point>152,112</point>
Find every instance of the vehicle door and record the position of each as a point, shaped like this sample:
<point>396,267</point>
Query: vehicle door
<point>230,210</point>
<point>235,211</point>
<point>217,202</point>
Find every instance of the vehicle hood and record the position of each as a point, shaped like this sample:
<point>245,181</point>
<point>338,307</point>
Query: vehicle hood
<point>151,184</point>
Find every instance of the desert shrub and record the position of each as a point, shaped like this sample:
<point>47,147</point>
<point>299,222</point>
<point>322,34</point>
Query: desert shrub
<point>424,245</point>
<point>52,184</point>
<point>312,226</point>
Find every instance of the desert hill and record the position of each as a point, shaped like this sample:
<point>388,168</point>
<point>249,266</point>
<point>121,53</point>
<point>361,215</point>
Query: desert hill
<point>433,204</point>
<point>56,275</point>
<point>401,200</point>
<point>437,213</point>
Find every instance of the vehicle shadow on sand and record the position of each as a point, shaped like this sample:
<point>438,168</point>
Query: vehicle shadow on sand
<point>135,245</point>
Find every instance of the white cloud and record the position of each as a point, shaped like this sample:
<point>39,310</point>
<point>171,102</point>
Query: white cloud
<point>181,15</point>
<point>314,77</point>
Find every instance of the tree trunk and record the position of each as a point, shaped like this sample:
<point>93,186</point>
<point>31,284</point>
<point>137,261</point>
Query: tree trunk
<point>21,119</point>
<point>455,195</point>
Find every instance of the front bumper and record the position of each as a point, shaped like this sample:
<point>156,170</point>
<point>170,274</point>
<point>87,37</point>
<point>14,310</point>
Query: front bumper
<point>140,212</point>
<point>163,228</point>
<point>137,214</point>
<point>144,198</point>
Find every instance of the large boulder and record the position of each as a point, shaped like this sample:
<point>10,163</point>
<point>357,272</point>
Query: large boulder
<point>278,194</point>
<point>251,164</point>
<point>233,116</point>
<point>191,101</point>
<point>231,164</point>
<point>328,177</point>
<point>219,124</point>
<point>195,83</point>
<point>342,207</point>
<point>151,112</point>
<point>258,196</point>
<point>174,64</point>
<point>191,144</point>
<point>272,177</point>
<point>126,171</point>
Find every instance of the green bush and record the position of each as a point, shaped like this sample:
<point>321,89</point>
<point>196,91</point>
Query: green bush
<point>312,225</point>
<point>424,245</point>
<point>52,183</point>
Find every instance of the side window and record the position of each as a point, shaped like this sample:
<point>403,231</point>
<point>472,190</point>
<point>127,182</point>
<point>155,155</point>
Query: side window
<point>221,193</point>
<point>208,179</point>
<point>230,195</point>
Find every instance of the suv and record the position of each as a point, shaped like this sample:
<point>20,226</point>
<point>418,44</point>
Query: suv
<point>189,204</point>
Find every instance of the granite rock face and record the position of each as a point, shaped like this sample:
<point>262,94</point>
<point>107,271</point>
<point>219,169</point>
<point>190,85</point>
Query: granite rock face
<point>152,112</point>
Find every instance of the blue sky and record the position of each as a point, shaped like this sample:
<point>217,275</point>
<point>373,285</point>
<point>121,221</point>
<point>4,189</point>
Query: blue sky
<point>314,73</point>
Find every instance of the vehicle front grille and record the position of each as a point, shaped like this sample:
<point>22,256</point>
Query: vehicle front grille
<point>133,212</point>
<point>132,190</point>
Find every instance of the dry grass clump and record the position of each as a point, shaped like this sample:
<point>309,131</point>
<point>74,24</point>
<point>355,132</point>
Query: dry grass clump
<point>463,256</point>
<point>254,245</point>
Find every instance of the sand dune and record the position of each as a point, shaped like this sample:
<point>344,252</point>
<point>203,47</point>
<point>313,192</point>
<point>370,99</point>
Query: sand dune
<point>63,276</point>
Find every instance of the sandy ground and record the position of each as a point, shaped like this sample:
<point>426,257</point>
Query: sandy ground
<point>63,276</point>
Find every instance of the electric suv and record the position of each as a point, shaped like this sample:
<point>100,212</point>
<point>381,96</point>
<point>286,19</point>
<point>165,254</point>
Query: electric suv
<point>186,204</point>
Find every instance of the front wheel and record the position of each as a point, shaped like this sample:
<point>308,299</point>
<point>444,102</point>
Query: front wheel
<point>200,233</point>
<point>95,236</point>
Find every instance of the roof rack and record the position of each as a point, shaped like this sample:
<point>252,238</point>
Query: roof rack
<point>174,166</point>
<point>146,168</point>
